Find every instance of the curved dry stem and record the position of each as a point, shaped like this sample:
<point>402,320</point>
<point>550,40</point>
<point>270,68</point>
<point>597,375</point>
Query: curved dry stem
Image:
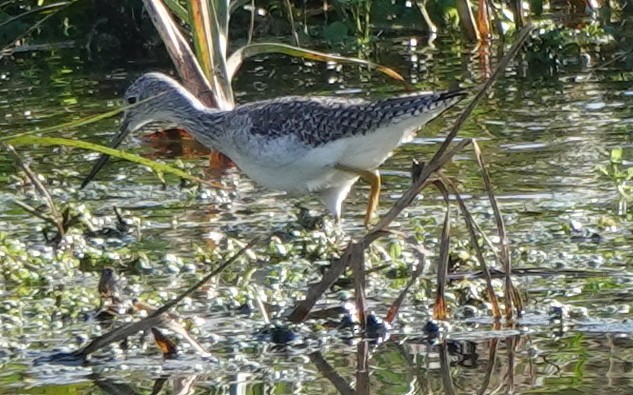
<point>439,310</point>
<point>511,294</point>
<point>184,60</point>
<point>472,227</point>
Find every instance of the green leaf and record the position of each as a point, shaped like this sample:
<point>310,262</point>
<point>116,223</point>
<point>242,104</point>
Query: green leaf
<point>178,9</point>
<point>602,169</point>
<point>616,155</point>
<point>209,24</point>
<point>395,250</point>
<point>200,22</point>
<point>155,166</point>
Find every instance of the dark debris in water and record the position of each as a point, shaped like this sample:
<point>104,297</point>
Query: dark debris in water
<point>167,346</point>
<point>377,329</point>
<point>278,334</point>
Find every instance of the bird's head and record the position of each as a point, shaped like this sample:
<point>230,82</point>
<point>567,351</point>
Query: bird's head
<point>151,98</point>
<point>148,99</point>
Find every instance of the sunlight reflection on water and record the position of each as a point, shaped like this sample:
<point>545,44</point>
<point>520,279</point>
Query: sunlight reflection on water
<point>542,143</point>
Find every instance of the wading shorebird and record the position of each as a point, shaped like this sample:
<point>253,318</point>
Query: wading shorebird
<point>295,144</point>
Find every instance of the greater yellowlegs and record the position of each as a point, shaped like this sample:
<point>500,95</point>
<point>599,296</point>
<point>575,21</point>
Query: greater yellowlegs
<point>295,144</point>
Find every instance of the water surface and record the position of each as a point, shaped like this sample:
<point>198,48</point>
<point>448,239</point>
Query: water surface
<point>542,138</point>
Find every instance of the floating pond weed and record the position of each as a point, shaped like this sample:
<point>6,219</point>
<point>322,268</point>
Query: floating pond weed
<point>619,176</point>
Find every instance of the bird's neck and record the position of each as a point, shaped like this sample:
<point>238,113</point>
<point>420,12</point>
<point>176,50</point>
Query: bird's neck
<point>202,122</point>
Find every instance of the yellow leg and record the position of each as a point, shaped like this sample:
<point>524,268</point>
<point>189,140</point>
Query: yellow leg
<point>373,179</point>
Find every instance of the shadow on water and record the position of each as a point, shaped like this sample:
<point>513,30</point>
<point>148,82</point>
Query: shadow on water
<point>542,140</point>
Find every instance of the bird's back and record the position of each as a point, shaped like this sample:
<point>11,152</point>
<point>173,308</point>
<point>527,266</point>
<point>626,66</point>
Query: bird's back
<point>316,121</point>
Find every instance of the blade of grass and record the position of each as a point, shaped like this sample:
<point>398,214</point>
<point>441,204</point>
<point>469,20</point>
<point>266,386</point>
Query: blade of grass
<point>79,122</point>
<point>39,186</point>
<point>236,4</point>
<point>219,39</point>
<point>222,9</point>
<point>511,342</point>
<point>200,22</point>
<point>291,18</point>
<point>180,53</point>
<point>55,218</point>
<point>439,310</point>
<point>67,125</point>
<point>237,58</point>
<point>33,211</point>
<point>155,166</point>
<point>178,10</point>
<point>497,20</point>
<point>362,386</point>
<point>533,272</point>
<point>471,226</point>
<point>31,29</point>
<point>254,290</point>
<point>510,292</point>
<point>251,26</point>
<point>36,10</point>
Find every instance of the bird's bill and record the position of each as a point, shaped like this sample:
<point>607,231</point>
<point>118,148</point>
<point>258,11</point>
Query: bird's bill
<point>124,130</point>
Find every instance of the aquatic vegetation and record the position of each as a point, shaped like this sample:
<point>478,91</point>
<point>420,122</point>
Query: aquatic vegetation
<point>280,257</point>
<point>48,291</point>
<point>620,177</point>
<point>106,30</point>
<point>553,46</point>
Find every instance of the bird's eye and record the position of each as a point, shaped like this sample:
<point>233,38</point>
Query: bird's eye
<point>131,100</point>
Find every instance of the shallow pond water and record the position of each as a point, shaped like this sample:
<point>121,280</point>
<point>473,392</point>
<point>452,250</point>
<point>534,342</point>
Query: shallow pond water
<point>542,137</point>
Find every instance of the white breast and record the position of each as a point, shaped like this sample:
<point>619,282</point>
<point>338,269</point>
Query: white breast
<point>288,165</point>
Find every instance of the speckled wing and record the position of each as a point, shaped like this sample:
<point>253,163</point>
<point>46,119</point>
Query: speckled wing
<point>315,121</point>
<point>426,105</point>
